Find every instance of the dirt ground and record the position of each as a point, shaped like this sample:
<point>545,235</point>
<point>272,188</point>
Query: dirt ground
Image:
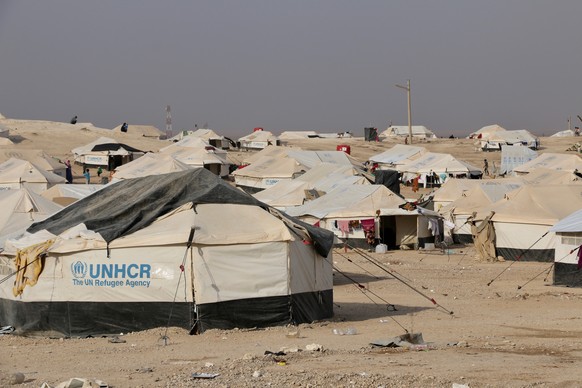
<point>498,336</point>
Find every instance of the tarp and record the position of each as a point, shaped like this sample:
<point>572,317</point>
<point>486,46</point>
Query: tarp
<point>399,154</point>
<point>551,161</point>
<point>513,156</point>
<point>138,202</point>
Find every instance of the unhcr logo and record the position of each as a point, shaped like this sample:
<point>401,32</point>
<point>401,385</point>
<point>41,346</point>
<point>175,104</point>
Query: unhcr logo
<point>79,269</point>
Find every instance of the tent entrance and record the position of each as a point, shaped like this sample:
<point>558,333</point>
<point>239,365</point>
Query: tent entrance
<point>388,231</point>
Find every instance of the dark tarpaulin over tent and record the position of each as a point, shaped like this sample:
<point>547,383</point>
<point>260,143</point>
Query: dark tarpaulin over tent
<point>388,178</point>
<point>132,204</point>
<point>114,147</point>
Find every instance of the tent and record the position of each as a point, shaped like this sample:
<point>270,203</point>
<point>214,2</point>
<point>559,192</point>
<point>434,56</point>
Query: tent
<point>347,210</point>
<point>164,250</point>
<point>66,194</point>
<point>212,159</point>
<point>565,133</point>
<point>268,170</point>
<point>567,255</point>
<point>258,140</point>
<point>552,161</point>
<point>483,194</point>
<point>522,220</point>
<point>399,154</point>
<point>297,135</point>
<point>17,173</point>
<point>105,152</point>
<point>149,164</point>
<point>486,132</point>
<point>38,157</point>
<point>496,140</point>
<point>20,208</point>
<point>208,135</point>
<point>317,181</point>
<point>439,164</point>
<point>418,131</point>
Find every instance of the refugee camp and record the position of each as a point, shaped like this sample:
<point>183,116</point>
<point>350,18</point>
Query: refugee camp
<point>290,194</point>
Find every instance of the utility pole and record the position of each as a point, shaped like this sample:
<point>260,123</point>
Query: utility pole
<point>168,122</point>
<point>407,88</point>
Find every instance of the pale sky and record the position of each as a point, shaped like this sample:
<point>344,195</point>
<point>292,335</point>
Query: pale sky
<point>320,65</point>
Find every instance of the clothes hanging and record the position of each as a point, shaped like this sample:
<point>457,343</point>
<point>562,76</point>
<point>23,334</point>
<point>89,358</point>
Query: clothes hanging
<point>368,225</point>
<point>344,227</point>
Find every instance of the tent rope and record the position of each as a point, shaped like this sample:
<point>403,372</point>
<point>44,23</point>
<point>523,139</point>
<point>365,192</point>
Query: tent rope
<point>392,273</point>
<point>518,258</point>
<point>549,268</point>
<point>182,273</point>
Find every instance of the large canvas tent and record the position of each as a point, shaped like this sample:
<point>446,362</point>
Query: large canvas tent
<point>439,164</point>
<point>500,138</point>
<point>17,173</point>
<point>21,208</point>
<point>523,218</point>
<point>105,152</point>
<point>149,164</point>
<point>164,249</point>
<point>347,209</point>
<point>397,155</point>
<point>418,131</point>
<point>38,157</point>
<point>258,140</point>
<point>567,262</point>
<point>552,161</point>
<point>206,134</point>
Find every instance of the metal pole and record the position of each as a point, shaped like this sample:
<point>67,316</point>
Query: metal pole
<point>407,88</point>
<point>409,115</point>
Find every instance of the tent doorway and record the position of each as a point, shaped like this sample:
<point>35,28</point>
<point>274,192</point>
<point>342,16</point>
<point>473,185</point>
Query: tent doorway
<point>388,231</point>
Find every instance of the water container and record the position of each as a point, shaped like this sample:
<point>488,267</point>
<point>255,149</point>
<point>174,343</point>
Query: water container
<point>381,248</point>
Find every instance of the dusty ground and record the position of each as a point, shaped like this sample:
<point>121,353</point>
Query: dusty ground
<point>499,335</point>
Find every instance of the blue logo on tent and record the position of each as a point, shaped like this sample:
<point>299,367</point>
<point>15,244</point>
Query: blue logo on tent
<point>79,269</point>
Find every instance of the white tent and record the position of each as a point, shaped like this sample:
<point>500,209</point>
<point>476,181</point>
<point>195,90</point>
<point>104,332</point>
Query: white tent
<point>17,173</point>
<point>486,132</point>
<point>210,158</point>
<point>258,140</point>
<point>565,133</point>
<point>105,151</point>
<point>149,164</point>
<point>319,180</point>
<point>399,154</point>
<point>66,194</point>
<point>499,138</point>
<point>346,209</point>
<point>568,242</point>
<point>439,164</point>
<point>552,161</point>
<point>296,135</point>
<point>38,157</point>
<point>109,270</point>
<point>208,135</point>
<point>20,208</point>
<point>480,196</point>
<point>419,131</point>
<point>522,219</point>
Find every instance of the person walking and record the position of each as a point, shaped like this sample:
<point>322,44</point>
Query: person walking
<point>87,176</point>
<point>485,167</point>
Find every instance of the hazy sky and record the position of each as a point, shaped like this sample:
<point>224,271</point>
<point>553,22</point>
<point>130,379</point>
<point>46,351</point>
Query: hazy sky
<point>320,65</point>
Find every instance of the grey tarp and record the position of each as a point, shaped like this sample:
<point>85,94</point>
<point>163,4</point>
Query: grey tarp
<point>132,204</point>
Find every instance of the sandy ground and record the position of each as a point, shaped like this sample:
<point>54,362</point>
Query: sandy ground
<point>498,336</point>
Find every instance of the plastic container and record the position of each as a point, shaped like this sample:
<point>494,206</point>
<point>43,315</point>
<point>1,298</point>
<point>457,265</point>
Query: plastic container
<point>381,248</point>
<point>344,147</point>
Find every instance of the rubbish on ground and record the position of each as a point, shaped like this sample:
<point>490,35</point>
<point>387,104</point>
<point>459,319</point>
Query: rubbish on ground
<point>404,340</point>
<point>348,331</point>
<point>116,340</point>
<point>199,375</point>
